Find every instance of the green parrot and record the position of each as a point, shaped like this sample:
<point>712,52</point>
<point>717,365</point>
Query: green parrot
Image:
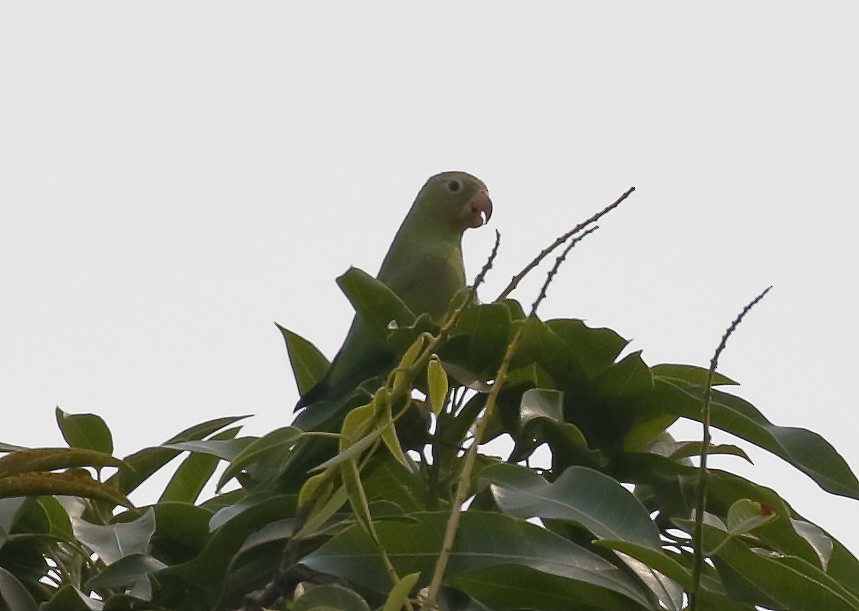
<point>423,268</point>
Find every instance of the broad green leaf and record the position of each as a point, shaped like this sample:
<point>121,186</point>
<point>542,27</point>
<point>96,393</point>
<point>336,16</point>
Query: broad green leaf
<point>477,343</point>
<point>13,594</point>
<point>805,450</point>
<point>541,403</point>
<point>308,363</point>
<point>596,349</point>
<point>86,431</point>
<point>231,529</point>
<point>50,459</point>
<point>128,570</point>
<point>484,539</point>
<point>114,541</point>
<point>400,592</point>
<point>193,474</point>
<point>659,560</point>
<point>221,445</point>
<point>510,587</point>
<point>276,443</point>
<point>689,375</point>
<point>181,531</point>
<point>9,508</point>
<point>817,539</point>
<point>330,597</point>
<point>142,464</point>
<point>374,302</point>
<point>628,378</point>
<point>71,598</point>
<point>581,495</point>
<point>781,582</point>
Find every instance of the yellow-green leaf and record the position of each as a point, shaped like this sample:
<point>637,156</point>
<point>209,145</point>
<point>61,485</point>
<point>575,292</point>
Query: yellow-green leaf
<point>400,592</point>
<point>408,360</point>
<point>438,385</point>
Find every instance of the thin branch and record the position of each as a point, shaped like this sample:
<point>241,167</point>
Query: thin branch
<point>561,239</point>
<point>557,265</point>
<point>701,498</point>
<point>463,486</point>
<point>478,280</point>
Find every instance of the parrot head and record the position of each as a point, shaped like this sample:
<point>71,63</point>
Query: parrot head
<point>457,199</point>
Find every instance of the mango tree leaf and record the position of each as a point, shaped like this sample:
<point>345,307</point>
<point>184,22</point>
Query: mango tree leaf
<point>400,592</point>
<point>114,541</point>
<point>596,349</point>
<point>128,570</point>
<point>13,593</point>
<point>484,539</point>
<point>581,495</point>
<point>87,431</point>
<point>817,539</point>
<point>71,598</point>
<point>193,474</point>
<point>781,582</point>
<point>142,464</point>
<point>805,450</point>
<point>689,375</point>
<point>273,444</point>
<point>374,302</point>
<point>308,363</point>
<point>512,587</point>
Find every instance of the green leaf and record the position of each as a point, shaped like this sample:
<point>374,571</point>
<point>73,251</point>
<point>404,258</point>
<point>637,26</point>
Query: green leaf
<point>86,431</point>
<point>114,541</point>
<point>273,444</point>
<point>400,592</point>
<point>484,539</point>
<point>193,474</point>
<point>511,587</point>
<point>782,582</point>
<point>128,570</point>
<point>142,464</point>
<point>805,450</point>
<point>437,383</point>
<point>541,403</point>
<point>374,301</point>
<point>308,363</point>
<point>13,593</point>
<point>581,495</point>
<point>689,375</point>
<point>233,526</point>
<point>817,538</point>
<point>477,343</point>
<point>595,349</point>
<point>71,598</point>
<point>330,597</point>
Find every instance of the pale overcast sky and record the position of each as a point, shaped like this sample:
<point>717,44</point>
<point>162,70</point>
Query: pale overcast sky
<point>175,177</point>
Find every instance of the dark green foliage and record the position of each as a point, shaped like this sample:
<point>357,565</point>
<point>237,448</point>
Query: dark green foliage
<point>614,497</point>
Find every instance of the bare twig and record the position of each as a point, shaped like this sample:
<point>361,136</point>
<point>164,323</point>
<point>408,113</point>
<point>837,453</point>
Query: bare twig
<point>560,240</point>
<point>557,265</point>
<point>478,280</point>
<point>701,498</point>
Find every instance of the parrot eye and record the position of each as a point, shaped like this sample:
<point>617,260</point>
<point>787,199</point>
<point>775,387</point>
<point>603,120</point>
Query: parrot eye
<point>454,186</point>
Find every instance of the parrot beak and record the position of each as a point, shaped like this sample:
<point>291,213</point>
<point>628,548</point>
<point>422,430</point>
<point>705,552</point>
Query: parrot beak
<point>478,210</point>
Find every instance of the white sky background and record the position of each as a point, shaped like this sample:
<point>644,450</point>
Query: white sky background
<point>176,177</point>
